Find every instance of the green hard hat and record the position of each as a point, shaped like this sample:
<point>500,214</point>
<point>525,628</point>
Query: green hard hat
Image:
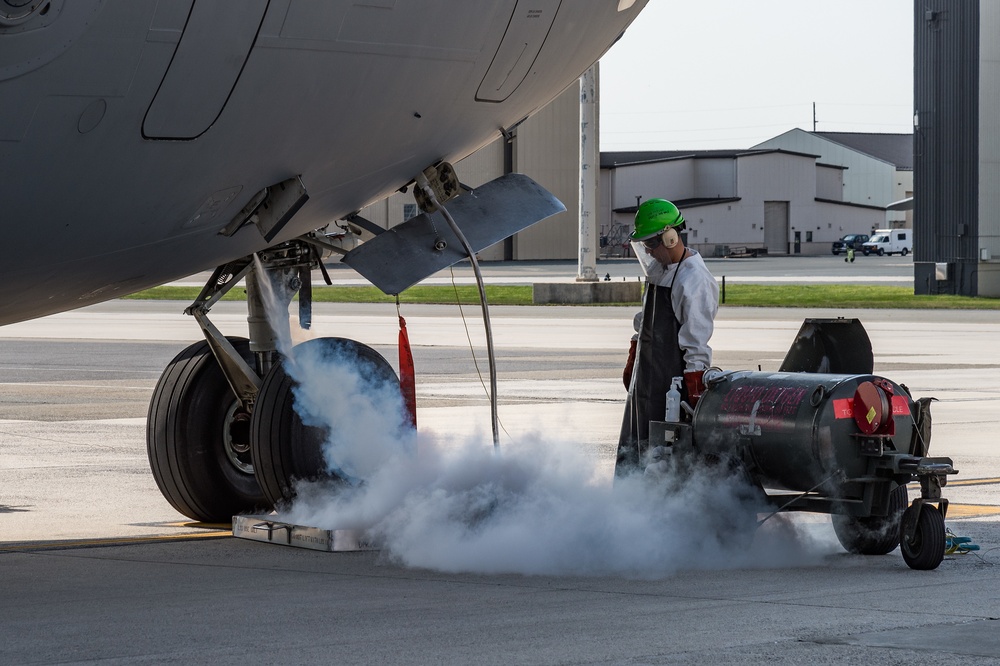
<point>653,216</point>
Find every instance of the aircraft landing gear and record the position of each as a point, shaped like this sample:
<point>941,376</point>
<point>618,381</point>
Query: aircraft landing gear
<point>223,402</point>
<point>198,438</point>
<point>282,446</point>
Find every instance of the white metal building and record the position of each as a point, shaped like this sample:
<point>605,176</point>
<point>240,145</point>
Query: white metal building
<point>879,167</point>
<point>776,200</point>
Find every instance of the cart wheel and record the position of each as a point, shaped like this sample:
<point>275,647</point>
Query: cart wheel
<point>926,549</point>
<point>874,535</point>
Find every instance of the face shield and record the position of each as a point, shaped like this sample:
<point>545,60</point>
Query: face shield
<point>651,268</point>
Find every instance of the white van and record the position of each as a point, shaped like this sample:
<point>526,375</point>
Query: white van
<point>889,241</point>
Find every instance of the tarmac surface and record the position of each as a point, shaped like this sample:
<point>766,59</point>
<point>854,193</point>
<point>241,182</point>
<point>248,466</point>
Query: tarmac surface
<point>98,568</point>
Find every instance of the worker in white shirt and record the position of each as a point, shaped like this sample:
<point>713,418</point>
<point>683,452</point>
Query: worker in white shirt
<point>679,305</point>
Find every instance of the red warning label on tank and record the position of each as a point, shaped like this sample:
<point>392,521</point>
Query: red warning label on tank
<point>843,408</point>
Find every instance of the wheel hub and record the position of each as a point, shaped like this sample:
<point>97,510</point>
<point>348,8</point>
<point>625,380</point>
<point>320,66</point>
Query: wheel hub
<point>236,438</point>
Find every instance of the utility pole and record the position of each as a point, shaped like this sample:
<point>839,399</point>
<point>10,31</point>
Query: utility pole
<point>589,174</point>
<point>814,116</point>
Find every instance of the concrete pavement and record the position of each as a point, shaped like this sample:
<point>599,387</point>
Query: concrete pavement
<point>98,567</point>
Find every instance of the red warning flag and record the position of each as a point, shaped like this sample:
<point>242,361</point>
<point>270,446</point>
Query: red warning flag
<point>407,379</point>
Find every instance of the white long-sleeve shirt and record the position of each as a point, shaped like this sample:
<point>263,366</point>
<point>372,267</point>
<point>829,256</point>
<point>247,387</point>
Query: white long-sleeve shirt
<point>695,299</point>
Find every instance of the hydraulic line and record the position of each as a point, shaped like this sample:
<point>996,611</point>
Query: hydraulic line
<point>424,185</point>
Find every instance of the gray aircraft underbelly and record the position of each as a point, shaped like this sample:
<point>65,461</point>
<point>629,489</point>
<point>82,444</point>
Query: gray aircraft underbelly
<point>133,131</point>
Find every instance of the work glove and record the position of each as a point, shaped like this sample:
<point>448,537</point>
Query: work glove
<point>627,373</point>
<point>695,384</point>
<point>658,463</point>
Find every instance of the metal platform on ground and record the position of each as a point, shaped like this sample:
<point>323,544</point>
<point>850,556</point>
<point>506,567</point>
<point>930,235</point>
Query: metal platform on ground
<point>268,529</point>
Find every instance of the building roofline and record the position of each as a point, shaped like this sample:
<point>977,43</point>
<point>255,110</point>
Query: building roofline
<point>849,203</point>
<point>695,155</point>
<point>684,204</point>
<point>839,139</point>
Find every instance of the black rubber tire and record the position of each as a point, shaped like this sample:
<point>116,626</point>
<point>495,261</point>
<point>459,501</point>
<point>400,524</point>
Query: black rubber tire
<point>284,449</point>
<point>866,252</point>
<point>190,417</point>
<point>881,252</point>
<point>874,535</point>
<point>835,253</point>
<point>926,549</point>
<point>904,252</point>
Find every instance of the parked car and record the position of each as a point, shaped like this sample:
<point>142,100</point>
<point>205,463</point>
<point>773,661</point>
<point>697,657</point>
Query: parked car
<point>889,241</point>
<point>850,240</point>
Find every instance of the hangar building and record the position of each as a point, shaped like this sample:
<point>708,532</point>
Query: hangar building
<point>878,167</point>
<point>773,200</point>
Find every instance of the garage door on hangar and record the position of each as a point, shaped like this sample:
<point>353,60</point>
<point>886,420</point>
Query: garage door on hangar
<point>776,227</point>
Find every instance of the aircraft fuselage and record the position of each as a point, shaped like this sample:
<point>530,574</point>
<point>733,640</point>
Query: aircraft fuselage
<point>133,131</point>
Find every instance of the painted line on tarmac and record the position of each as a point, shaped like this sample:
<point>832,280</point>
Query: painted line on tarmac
<point>200,525</point>
<point>102,543</point>
<point>972,510</point>
<point>974,482</point>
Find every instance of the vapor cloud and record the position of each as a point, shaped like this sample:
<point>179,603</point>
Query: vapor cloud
<point>538,507</point>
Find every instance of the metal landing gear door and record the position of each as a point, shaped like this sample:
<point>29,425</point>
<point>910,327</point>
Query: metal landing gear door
<point>214,47</point>
<point>526,33</point>
<point>423,245</point>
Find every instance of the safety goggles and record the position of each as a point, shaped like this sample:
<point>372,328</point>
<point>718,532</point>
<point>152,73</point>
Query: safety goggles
<point>654,242</point>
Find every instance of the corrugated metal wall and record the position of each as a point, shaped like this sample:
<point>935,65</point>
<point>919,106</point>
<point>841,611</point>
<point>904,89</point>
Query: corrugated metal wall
<point>988,279</point>
<point>946,143</point>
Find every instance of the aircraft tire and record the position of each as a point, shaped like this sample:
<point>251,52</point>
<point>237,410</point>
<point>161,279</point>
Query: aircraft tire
<point>197,439</point>
<point>285,449</point>
<point>926,549</point>
<point>874,535</point>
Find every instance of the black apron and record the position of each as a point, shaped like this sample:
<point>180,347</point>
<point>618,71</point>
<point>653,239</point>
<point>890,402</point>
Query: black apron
<point>659,359</point>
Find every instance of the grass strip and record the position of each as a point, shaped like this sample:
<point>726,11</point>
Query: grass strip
<point>837,296</point>
<point>854,296</point>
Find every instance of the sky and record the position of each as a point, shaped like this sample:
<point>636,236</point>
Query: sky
<point>721,74</point>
